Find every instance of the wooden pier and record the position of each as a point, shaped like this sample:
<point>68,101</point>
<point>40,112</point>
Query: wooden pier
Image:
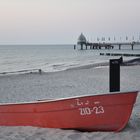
<point>84,44</point>
<point>119,45</point>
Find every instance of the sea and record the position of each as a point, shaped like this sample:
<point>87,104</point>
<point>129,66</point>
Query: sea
<point>52,58</point>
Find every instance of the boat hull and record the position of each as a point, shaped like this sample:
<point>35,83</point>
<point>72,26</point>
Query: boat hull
<point>108,112</point>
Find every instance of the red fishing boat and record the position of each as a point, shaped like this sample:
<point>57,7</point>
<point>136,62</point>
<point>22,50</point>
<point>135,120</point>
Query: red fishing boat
<point>106,112</point>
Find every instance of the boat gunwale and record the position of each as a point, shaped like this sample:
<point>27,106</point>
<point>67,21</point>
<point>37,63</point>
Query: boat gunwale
<point>68,98</point>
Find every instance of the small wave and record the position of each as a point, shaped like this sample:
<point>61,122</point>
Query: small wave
<point>58,65</point>
<point>132,62</point>
<point>88,66</point>
<point>21,71</point>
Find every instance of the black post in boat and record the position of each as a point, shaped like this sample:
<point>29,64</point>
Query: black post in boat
<point>115,74</point>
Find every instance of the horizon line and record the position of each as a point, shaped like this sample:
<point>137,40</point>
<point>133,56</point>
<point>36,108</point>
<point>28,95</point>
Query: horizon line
<point>40,44</point>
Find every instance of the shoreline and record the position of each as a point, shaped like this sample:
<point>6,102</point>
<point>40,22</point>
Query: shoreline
<point>131,62</point>
<point>80,81</point>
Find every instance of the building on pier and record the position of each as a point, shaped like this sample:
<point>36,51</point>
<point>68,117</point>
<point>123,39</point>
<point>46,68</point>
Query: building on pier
<point>82,40</point>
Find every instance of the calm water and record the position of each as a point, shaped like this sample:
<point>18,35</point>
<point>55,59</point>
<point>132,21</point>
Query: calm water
<point>50,58</point>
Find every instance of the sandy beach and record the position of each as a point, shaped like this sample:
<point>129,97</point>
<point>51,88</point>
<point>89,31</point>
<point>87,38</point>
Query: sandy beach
<point>86,80</point>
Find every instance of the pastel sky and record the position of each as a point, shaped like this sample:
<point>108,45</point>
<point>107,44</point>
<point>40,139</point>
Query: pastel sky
<point>62,21</point>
